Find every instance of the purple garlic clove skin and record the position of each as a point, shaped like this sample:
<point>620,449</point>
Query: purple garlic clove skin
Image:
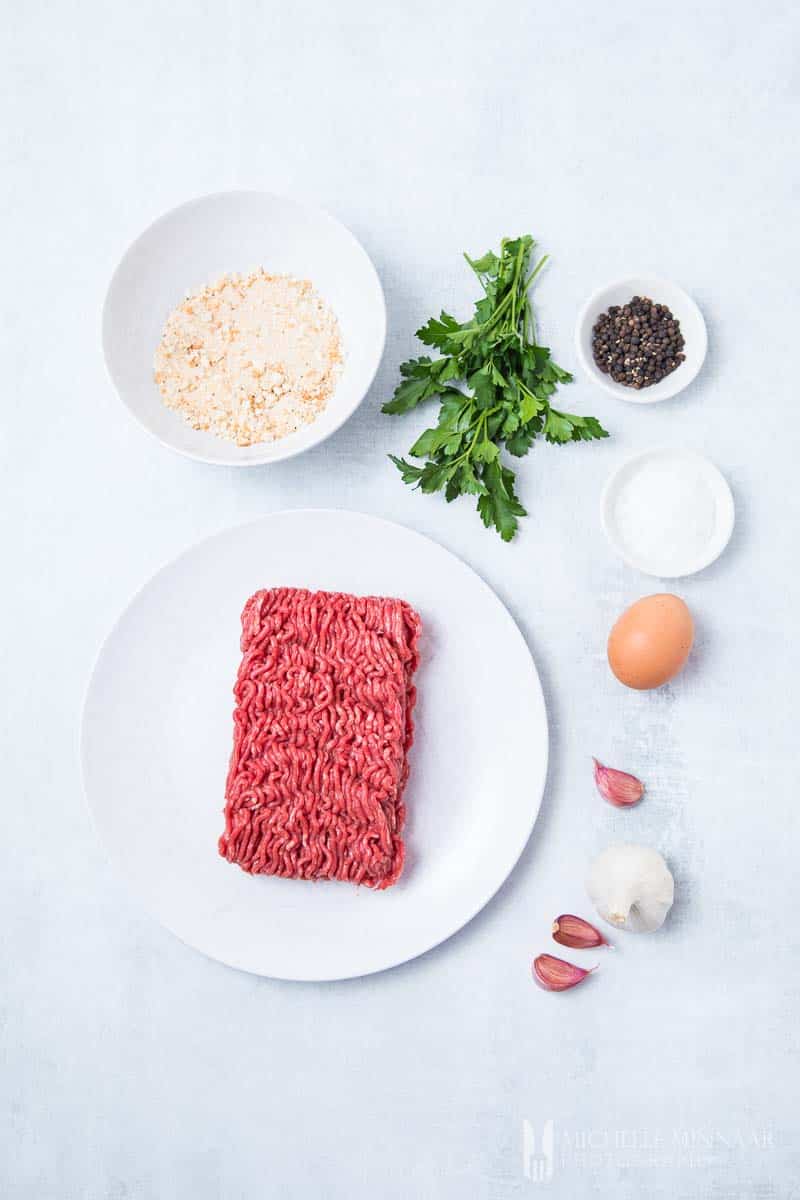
<point>556,975</point>
<point>617,787</point>
<point>577,933</point>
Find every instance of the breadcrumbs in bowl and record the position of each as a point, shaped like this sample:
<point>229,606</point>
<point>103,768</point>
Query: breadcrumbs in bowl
<point>250,358</point>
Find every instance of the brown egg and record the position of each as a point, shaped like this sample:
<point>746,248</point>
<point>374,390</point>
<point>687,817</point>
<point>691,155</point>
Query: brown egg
<point>651,641</point>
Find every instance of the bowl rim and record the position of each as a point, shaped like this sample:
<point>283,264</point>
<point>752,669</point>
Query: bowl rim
<point>228,193</point>
<point>724,530</point>
<point>680,380</point>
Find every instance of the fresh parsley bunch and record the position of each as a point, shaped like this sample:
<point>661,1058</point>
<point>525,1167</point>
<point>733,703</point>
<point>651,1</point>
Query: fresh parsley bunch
<point>494,384</point>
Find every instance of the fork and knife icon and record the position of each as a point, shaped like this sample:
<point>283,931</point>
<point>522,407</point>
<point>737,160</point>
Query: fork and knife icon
<point>537,1166</point>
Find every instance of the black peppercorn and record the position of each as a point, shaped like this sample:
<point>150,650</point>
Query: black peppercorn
<point>638,343</point>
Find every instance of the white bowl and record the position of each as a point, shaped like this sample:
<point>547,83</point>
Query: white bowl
<point>668,488</point>
<point>239,231</point>
<point>693,328</point>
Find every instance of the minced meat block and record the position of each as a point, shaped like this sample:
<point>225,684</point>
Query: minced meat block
<point>322,729</point>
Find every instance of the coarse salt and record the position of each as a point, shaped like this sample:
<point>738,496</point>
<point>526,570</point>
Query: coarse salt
<point>663,512</point>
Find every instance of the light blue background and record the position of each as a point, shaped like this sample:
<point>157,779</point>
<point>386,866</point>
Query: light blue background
<point>626,137</point>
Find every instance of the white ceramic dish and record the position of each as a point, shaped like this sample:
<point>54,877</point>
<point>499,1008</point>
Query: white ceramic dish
<point>665,473</point>
<point>238,231</point>
<point>693,328</point>
<point>157,729</point>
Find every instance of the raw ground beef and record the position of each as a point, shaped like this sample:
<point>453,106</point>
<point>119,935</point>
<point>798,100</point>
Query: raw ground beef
<point>322,728</point>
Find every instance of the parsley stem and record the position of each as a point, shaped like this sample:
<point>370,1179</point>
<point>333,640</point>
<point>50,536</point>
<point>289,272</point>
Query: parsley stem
<point>504,303</point>
<point>521,255</point>
<point>536,271</point>
<point>479,425</point>
<point>529,327</point>
<point>543,404</point>
<point>476,271</point>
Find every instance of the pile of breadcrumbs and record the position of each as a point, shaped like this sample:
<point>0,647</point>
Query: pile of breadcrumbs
<point>251,358</point>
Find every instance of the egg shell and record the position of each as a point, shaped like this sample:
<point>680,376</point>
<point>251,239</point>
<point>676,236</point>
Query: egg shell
<point>651,641</point>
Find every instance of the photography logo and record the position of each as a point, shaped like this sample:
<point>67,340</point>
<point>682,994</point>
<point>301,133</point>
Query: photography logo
<point>537,1154</point>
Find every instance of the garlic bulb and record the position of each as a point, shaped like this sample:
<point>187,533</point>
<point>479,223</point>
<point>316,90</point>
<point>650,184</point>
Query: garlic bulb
<point>631,887</point>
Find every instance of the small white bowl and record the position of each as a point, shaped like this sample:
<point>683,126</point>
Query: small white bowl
<point>683,307</point>
<point>663,490</point>
<point>238,231</point>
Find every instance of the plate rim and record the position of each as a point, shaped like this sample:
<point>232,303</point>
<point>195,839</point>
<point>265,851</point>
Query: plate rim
<point>300,202</point>
<point>540,781</point>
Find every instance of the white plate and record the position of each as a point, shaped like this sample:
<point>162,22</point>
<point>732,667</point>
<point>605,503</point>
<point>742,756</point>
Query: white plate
<point>157,729</point>
<point>238,231</point>
<point>668,488</point>
<point>693,328</point>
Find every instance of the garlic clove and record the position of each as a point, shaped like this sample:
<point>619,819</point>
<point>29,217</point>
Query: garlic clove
<point>617,787</point>
<point>577,933</point>
<point>631,887</point>
<point>556,975</point>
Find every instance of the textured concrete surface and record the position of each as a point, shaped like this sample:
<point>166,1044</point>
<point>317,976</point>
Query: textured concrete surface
<point>627,138</point>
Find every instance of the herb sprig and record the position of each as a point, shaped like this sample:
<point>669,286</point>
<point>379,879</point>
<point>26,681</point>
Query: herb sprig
<point>494,384</point>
